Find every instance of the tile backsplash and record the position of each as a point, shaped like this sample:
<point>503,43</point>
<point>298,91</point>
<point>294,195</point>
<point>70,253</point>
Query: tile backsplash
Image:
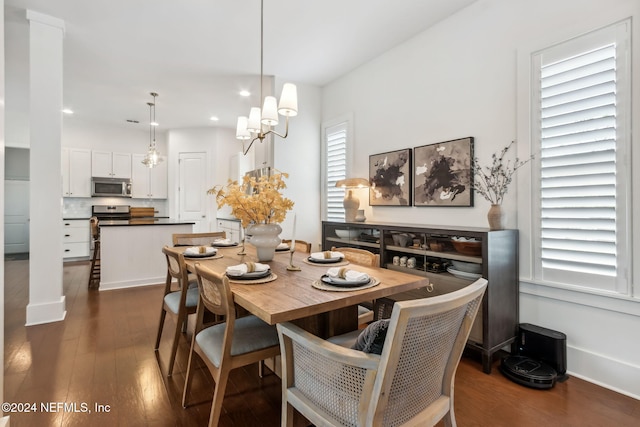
<point>81,207</point>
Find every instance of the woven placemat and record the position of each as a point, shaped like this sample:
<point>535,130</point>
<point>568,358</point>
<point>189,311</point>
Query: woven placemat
<point>319,284</point>
<point>197,258</point>
<point>269,278</point>
<point>326,264</point>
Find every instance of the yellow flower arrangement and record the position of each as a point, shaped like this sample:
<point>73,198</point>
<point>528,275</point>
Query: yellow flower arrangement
<point>255,201</point>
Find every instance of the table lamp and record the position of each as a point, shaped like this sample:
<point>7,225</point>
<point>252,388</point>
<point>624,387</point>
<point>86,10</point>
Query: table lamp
<point>351,203</point>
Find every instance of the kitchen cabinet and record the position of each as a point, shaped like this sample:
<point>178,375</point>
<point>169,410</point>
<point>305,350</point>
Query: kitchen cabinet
<point>106,164</point>
<point>429,251</point>
<point>148,183</point>
<point>76,238</point>
<point>76,172</point>
<point>232,227</point>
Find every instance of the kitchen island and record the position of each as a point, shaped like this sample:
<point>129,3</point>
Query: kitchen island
<point>131,250</point>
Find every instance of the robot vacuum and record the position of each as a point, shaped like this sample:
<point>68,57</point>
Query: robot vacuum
<point>528,372</point>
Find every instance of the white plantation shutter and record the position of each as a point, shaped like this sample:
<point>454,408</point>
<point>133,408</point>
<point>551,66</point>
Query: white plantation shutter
<point>335,170</point>
<point>582,224</point>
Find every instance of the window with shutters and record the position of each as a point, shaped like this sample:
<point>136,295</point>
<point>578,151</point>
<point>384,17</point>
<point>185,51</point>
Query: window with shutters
<point>581,93</point>
<point>335,138</point>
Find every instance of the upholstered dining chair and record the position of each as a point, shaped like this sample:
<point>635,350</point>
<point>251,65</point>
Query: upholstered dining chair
<point>180,303</point>
<point>410,383</point>
<point>197,239</point>
<point>94,272</point>
<point>301,245</point>
<point>228,345</point>
<point>366,258</point>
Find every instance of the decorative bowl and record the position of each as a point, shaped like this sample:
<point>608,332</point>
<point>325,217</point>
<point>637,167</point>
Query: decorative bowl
<point>350,233</point>
<point>467,246</point>
<point>467,267</point>
<point>401,239</point>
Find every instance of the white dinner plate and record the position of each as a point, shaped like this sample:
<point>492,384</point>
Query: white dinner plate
<point>463,274</point>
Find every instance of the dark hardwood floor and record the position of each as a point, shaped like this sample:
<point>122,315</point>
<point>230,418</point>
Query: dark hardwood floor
<point>103,354</point>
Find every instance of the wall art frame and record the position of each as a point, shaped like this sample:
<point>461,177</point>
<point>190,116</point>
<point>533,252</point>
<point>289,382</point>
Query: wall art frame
<point>390,178</point>
<point>443,174</point>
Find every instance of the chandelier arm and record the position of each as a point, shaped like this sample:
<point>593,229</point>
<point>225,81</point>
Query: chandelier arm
<point>260,137</point>
<point>286,130</point>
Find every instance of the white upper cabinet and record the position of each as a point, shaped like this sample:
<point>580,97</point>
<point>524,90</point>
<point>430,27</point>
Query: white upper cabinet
<point>76,172</point>
<point>148,183</point>
<point>106,164</point>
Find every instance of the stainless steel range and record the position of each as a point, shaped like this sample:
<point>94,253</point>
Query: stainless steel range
<point>111,212</point>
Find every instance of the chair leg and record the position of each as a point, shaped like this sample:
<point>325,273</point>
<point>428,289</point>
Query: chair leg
<point>187,382</point>
<point>218,397</point>
<point>287,415</point>
<point>449,419</point>
<point>174,346</point>
<point>163,314</point>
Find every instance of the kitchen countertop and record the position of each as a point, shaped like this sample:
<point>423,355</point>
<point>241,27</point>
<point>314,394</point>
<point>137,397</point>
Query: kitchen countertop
<point>142,221</point>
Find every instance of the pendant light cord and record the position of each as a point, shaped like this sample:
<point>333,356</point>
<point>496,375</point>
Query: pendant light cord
<point>261,48</point>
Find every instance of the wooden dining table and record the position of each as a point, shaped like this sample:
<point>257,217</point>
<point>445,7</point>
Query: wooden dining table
<point>292,296</point>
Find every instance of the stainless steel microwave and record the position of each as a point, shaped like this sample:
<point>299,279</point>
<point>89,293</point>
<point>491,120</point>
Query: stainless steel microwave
<point>110,187</point>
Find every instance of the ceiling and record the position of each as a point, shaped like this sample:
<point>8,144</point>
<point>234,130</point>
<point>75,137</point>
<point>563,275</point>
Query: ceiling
<point>198,54</point>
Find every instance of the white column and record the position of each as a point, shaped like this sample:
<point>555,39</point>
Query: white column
<point>3,420</point>
<point>46,301</point>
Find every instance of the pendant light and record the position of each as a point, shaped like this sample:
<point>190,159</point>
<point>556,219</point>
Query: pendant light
<point>153,156</point>
<point>260,121</point>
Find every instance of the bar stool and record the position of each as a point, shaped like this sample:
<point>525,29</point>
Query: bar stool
<point>94,272</point>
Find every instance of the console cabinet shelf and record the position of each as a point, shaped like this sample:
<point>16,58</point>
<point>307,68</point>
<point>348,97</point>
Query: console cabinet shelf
<point>428,251</point>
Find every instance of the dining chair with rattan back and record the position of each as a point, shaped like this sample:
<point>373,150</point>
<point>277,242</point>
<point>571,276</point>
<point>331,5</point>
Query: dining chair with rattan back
<point>234,343</point>
<point>409,381</point>
<point>368,259</point>
<point>301,245</point>
<point>197,239</point>
<point>180,303</point>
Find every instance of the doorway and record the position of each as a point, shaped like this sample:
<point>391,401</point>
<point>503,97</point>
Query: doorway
<point>16,216</point>
<point>192,190</point>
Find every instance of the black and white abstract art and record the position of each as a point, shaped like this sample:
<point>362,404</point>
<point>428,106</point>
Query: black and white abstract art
<point>442,173</point>
<point>390,178</point>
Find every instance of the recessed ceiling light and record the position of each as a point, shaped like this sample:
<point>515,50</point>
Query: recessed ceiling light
<point>67,111</point>
<point>214,118</point>
<point>245,93</point>
<point>154,124</point>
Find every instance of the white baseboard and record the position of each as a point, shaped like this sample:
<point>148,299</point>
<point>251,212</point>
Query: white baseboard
<point>108,286</point>
<point>38,314</point>
<point>606,372</point>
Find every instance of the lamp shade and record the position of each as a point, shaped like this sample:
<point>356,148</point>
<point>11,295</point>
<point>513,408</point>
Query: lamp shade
<point>253,124</point>
<point>288,100</point>
<point>241,128</point>
<point>352,183</point>
<point>270,111</point>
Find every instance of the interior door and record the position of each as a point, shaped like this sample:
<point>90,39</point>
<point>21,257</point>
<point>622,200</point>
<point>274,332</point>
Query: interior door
<point>16,217</point>
<point>193,190</point>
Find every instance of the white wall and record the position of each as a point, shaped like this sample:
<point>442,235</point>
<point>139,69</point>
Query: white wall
<point>459,79</point>
<point>299,156</point>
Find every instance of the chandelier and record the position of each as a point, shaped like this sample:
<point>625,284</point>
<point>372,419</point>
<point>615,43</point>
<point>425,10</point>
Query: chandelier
<point>153,156</point>
<point>260,122</point>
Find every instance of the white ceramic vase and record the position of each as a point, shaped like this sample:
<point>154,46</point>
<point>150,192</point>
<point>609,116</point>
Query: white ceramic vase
<point>265,237</point>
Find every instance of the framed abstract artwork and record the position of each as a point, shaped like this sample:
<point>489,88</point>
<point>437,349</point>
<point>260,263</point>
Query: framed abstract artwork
<point>442,174</point>
<point>390,178</point>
